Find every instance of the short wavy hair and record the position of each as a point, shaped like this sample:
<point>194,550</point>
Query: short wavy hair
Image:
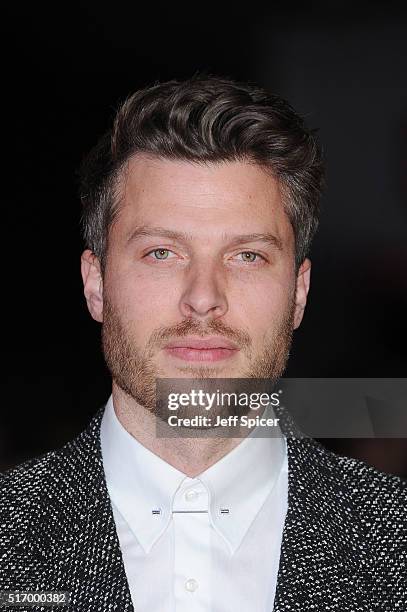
<point>205,119</point>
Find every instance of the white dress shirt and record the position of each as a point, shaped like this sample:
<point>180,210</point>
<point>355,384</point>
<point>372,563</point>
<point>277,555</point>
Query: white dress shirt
<point>210,543</point>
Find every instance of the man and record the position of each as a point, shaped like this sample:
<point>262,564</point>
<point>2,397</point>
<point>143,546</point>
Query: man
<point>199,208</point>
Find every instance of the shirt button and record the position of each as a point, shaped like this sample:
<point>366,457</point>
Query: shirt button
<point>191,585</point>
<point>191,495</point>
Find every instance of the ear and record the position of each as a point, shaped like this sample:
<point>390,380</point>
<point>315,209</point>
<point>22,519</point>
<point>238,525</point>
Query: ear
<point>92,284</point>
<point>301,291</point>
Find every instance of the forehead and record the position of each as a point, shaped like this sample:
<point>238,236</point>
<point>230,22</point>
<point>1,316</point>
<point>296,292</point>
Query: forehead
<point>211,197</point>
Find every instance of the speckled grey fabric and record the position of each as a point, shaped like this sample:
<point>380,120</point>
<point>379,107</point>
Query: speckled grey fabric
<point>344,544</point>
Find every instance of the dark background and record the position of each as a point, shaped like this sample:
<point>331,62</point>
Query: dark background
<point>341,64</point>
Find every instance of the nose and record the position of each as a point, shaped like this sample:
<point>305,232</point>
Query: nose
<point>203,297</point>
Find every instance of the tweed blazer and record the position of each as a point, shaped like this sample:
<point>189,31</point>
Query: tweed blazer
<point>344,544</point>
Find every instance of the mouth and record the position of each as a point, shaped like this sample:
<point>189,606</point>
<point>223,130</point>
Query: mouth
<point>201,349</point>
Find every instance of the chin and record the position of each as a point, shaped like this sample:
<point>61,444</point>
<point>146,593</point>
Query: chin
<point>208,371</point>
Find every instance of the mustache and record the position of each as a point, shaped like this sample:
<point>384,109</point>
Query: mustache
<point>191,326</point>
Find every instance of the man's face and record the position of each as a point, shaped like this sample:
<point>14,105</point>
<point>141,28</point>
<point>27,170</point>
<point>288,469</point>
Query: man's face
<point>200,278</point>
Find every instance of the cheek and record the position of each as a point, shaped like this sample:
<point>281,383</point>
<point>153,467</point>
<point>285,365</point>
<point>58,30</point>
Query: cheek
<point>263,302</point>
<point>144,303</point>
<point>263,312</point>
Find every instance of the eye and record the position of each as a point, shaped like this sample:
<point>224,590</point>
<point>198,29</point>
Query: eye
<point>249,256</point>
<point>160,253</point>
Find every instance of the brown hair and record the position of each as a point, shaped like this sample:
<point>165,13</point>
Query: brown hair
<point>205,119</point>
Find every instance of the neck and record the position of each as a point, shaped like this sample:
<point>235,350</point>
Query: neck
<point>192,456</point>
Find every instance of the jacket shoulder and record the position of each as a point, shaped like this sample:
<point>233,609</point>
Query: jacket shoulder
<point>356,476</point>
<point>20,483</point>
<point>39,482</point>
<point>21,490</point>
<point>359,493</point>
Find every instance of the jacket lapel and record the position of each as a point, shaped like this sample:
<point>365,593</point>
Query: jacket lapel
<point>320,554</point>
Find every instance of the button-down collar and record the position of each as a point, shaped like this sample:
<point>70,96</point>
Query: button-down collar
<point>146,489</point>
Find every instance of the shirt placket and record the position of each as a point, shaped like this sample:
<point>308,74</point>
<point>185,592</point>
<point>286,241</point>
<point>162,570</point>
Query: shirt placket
<point>192,553</point>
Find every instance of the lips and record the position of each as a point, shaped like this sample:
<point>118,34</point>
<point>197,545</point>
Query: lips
<point>202,343</point>
<point>201,349</point>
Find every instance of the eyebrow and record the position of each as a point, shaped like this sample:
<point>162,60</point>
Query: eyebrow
<point>145,230</point>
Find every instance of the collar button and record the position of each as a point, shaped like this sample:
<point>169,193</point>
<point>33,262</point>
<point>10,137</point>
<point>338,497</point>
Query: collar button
<point>191,585</point>
<point>191,495</point>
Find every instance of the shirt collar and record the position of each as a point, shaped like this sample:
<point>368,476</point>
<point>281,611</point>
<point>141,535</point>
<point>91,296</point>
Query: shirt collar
<point>241,481</point>
<point>146,489</point>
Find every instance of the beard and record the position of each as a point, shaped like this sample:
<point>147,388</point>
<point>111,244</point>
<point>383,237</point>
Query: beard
<point>135,372</point>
